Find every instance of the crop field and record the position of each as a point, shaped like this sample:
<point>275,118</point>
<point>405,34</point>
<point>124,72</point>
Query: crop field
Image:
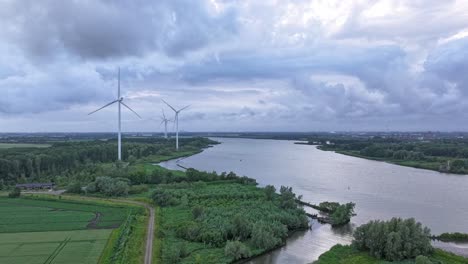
<point>22,145</point>
<point>56,231</point>
<point>27,215</point>
<point>67,247</point>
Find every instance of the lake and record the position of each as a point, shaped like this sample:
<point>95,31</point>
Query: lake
<point>380,190</point>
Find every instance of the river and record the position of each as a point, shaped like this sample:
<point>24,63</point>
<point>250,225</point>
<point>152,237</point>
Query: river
<point>380,190</point>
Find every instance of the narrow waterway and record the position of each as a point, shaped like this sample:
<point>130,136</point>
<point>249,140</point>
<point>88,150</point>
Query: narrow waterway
<point>380,190</point>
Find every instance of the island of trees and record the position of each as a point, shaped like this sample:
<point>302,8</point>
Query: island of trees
<point>397,241</point>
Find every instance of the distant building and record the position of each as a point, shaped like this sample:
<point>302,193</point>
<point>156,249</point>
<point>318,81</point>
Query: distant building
<point>32,186</point>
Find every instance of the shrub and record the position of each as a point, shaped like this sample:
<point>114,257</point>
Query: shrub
<point>240,227</point>
<point>270,191</point>
<point>198,212</point>
<point>163,198</point>
<point>288,198</point>
<point>342,214</point>
<point>15,193</point>
<point>136,189</point>
<point>393,240</point>
<point>423,260</point>
<point>74,187</point>
<point>263,237</point>
<point>236,250</point>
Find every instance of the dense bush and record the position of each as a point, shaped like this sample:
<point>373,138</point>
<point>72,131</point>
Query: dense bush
<point>393,240</point>
<point>15,193</point>
<point>342,214</point>
<point>74,187</point>
<point>422,260</point>
<point>109,186</point>
<point>270,191</point>
<point>236,250</point>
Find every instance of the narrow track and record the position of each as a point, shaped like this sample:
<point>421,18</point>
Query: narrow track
<point>149,236</point>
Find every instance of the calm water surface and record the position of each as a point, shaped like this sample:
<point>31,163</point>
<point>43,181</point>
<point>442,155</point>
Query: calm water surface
<point>380,190</point>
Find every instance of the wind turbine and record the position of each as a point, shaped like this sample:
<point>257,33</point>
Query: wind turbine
<point>165,121</point>
<point>176,120</point>
<point>119,102</point>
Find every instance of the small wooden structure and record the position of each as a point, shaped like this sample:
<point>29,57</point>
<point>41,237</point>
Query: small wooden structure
<point>36,186</point>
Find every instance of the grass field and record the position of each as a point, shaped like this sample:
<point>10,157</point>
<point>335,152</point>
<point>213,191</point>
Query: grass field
<point>347,255</point>
<point>53,230</point>
<point>27,215</point>
<point>22,145</point>
<point>67,247</point>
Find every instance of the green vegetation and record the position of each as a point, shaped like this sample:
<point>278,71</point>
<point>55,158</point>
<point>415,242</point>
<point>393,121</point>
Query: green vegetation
<point>453,237</point>
<point>393,240</point>
<point>340,254</point>
<point>15,193</point>
<point>66,162</point>
<point>213,218</point>
<point>66,229</point>
<point>444,155</point>
<point>338,214</point>
<point>77,246</point>
<point>22,145</point>
<point>27,215</point>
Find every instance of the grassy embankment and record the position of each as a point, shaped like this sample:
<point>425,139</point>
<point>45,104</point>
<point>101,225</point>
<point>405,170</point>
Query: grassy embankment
<point>347,255</point>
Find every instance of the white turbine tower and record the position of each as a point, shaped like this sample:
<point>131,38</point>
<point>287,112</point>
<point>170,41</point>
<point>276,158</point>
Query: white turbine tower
<point>164,120</point>
<point>176,120</point>
<point>119,102</point>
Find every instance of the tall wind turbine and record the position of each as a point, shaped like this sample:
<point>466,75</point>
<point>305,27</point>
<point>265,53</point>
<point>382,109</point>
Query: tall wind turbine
<point>176,120</point>
<point>119,102</point>
<point>164,120</point>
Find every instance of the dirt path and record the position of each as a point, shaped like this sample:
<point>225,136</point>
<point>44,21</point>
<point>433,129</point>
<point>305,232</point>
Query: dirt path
<point>149,230</point>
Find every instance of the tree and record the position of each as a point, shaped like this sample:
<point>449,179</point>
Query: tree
<point>393,240</point>
<point>270,191</point>
<point>342,214</point>
<point>288,198</point>
<point>15,193</point>
<point>263,237</point>
<point>241,227</point>
<point>74,187</point>
<point>236,250</point>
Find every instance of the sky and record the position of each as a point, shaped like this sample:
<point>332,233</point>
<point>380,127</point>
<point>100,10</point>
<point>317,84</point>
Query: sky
<point>241,65</point>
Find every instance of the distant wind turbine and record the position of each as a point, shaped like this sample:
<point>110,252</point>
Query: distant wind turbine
<point>119,102</point>
<point>176,120</point>
<point>164,121</point>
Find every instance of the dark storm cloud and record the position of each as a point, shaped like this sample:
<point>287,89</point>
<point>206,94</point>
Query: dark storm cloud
<point>305,65</point>
<point>106,29</point>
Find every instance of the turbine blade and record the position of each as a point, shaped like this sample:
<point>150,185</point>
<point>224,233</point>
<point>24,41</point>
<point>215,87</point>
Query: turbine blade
<point>183,108</point>
<point>170,106</point>
<point>103,107</point>
<point>164,115</point>
<point>128,107</point>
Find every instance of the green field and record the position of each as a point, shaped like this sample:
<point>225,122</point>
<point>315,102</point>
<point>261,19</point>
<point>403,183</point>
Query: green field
<point>67,247</point>
<point>347,255</point>
<point>22,145</point>
<point>53,230</point>
<point>27,215</point>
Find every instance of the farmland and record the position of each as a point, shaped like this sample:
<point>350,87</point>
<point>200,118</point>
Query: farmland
<point>77,246</point>
<point>27,215</point>
<point>52,230</point>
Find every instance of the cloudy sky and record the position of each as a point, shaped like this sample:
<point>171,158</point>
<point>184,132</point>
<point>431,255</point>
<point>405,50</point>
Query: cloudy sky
<point>242,65</point>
